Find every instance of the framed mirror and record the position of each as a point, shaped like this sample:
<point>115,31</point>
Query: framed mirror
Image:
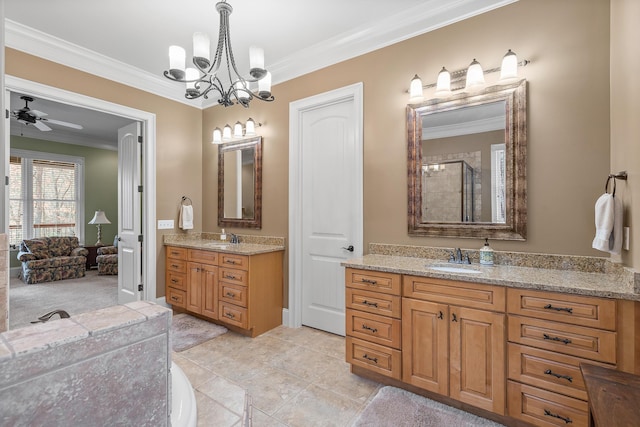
<point>467,165</point>
<point>240,183</point>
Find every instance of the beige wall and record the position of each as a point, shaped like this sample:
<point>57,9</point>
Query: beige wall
<point>625,108</point>
<point>178,134</point>
<point>568,92</point>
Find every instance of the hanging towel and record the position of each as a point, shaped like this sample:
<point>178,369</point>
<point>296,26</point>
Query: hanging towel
<point>185,221</point>
<point>615,240</point>
<point>604,222</point>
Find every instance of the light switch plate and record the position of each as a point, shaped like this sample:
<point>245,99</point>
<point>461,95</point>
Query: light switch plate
<point>165,224</point>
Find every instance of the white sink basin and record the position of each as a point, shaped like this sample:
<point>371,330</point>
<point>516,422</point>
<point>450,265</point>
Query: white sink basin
<point>452,269</point>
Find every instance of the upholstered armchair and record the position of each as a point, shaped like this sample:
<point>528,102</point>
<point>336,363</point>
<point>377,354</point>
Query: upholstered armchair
<point>107,260</point>
<point>46,259</point>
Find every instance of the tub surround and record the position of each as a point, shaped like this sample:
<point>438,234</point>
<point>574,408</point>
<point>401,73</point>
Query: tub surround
<point>249,244</point>
<point>109,367</point>
<point>581,275</point>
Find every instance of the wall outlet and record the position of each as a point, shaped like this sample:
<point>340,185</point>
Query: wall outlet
<point>165,224</point>
<point>625,238</point>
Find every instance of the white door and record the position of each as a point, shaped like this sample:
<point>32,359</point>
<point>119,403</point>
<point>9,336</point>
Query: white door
<point>129,219</point>
<point>329,140</point>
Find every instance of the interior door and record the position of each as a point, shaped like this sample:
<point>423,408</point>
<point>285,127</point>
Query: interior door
<point>129,216</point>
<point>331,205</point>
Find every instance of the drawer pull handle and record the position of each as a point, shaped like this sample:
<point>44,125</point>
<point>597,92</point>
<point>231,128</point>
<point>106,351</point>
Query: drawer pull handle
<point>369,281</point>
<point>369,328</point>
<point>441,315</point>
<point>174,281</point>
<point>370,304</point>
<point>566,377</point>
<point>231,294</point>
<point>230,315</point>
<point>174,266</point>
<point>174,298</point>
<point>550,338</point>
<point>229,261</point>
<point>230,277</point>
<point>372,359</point>
<point>455,318</point>
<point>548,413</point>
<point>567,309</point>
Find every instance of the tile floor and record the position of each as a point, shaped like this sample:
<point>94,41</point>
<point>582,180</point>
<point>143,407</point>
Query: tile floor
<point>294,377</point>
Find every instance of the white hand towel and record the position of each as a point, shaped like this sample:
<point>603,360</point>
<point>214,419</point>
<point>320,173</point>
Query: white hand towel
<point>615,241</point>
<point>604,222</point>
<point>186,217</point>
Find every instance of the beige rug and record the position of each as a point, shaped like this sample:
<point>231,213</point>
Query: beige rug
<point>396,407</point>
<point>188,331</point>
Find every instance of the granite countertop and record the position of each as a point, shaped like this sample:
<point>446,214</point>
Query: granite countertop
<point>602,284</point>
<point>224,246</point>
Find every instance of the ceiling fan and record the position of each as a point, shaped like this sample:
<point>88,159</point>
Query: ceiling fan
<point>37,118</point>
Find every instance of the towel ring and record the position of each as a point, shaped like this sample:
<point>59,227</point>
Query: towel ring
<point>185,198</point>
<point>606,186</point>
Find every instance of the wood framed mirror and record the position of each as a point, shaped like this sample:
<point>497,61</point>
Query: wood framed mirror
<point>467,164</point>
<point>240,183</point>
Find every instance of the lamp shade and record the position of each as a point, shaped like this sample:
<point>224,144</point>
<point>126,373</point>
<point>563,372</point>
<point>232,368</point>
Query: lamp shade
<point>475,76</point>
<point>226,133</point>
<point>177,58</point>
<point>415,90</point>
<point>443,85</point>
<point>217,136</point>
<point>99,218</point>
<point>201,51</point>
<point>509,68</point>
<point>264,86</point>
<point>237,130</point>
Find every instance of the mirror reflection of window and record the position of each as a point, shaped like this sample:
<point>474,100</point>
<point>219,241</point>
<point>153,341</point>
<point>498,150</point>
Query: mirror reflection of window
<point>498,184</point>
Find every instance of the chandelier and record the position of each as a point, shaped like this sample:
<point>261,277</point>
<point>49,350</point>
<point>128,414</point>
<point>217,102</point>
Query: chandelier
<point>203,79</point>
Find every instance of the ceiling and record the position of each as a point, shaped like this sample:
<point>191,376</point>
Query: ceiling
<point>127,41</point>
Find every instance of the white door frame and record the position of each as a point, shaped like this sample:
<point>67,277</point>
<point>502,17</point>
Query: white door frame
<point>293,316</point>
<point>148,121</point>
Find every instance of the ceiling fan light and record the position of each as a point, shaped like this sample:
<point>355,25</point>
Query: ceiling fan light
<point>475,76</point>
<point>201,50</point>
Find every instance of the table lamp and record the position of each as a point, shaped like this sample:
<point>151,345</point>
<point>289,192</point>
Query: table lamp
<point>98,219</point>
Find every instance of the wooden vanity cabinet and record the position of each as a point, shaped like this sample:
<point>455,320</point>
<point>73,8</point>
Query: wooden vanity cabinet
<point>243,292</point>
<point>450,347</point>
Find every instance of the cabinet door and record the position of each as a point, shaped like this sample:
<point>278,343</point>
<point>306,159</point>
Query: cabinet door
<point>477,358</point>
<point>425,347</point>
<point>209,291</point>
<point>194,287</point>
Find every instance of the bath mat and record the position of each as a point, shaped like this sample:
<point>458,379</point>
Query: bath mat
<point>188,331</point>
<point>397,407</point>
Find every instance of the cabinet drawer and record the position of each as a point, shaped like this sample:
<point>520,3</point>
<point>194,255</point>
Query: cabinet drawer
<point>230,275</point>
<point>548,370</point>
<point>176,266</point>
<point>206,257</point>
<point>374,302</point>
<point>176,297</point>
<point>544,408</point>
<point>236,261</point>
<point>374,328</point>
<point>233,315</point>
<point>233,294</point>
<point>575,309</point>
<point>464,294</point>
<point>578,341</point>
<point>176,253</point>
<point>386,283</point>
<point>377,358</point>
<point>176,280</point>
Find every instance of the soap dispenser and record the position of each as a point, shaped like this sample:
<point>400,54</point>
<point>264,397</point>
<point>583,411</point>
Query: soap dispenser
<point>486,254</point>
<point>223,235</point>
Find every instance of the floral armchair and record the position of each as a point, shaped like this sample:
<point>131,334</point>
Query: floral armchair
<point>107,260</point>
<point>46,259</point>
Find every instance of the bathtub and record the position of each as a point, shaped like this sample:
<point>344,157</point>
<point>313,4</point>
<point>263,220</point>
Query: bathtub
<point>184,412</point>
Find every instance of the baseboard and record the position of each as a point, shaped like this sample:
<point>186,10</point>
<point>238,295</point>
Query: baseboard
<point>163,302</point>
<point>285,317</point>
<point>15,271</point>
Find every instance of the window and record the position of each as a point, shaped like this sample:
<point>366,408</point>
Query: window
<point>45,196</point>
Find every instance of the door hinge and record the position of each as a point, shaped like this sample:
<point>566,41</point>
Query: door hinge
<point>140,238</point>
<point>139,188</point>
<point>140,139</point>
<point>6,180</point>
<point>140,287</point>
<point>6,114</point>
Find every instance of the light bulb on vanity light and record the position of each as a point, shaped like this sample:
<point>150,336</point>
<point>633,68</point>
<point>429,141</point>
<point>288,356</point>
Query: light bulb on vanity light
<point>237,130</point>
<point>226,133</point>
<point>475,76</point>
<point>217,136</point>
<point>509,68</point>
<point>415,90</point>
<point>250,127</point>
<point>443,85</point>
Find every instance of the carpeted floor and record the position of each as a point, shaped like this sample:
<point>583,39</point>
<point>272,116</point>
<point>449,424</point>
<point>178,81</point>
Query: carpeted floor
<point>396,407</point>
<point>188,331</point>
<point>28,302</point>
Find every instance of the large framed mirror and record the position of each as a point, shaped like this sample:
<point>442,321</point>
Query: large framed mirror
<point>467,165</point>
<point>240,183</point>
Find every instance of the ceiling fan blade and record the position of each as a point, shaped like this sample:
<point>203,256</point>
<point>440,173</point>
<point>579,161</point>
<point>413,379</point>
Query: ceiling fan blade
<point>41,126</point>
<point>67,124</point>
<point>37,113</point>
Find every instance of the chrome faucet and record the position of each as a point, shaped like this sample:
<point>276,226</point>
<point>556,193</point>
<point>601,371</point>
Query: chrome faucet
<point>456,257</point>
<point>234,238</point>
<point>46,317</point>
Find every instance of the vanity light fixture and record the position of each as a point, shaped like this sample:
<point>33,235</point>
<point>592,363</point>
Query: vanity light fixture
<point>228,134</point>
<point>472,76</point>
